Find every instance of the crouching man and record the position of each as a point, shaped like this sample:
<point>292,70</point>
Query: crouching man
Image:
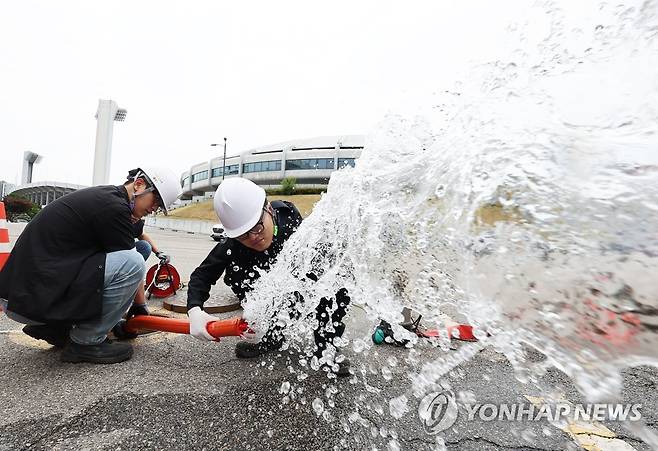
<point>256,231</point>
<point>74,271</point>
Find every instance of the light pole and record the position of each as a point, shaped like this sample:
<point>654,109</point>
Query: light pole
<point>108,111</point>
<point>224,162</point>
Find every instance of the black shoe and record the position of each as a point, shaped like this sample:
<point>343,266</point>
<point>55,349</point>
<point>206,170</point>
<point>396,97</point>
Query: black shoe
<point>384,334</point>
<point>343,369</point>
<point>105,352</point>
<point>56,336</point>
<point>247,350</point>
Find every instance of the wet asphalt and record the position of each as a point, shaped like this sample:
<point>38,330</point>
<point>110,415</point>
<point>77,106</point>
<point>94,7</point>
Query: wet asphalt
<point>179,393</point>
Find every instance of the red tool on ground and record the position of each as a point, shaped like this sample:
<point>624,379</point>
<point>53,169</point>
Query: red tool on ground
<point>230,327</point>
<point>162,280</point>
<point>463,332</point>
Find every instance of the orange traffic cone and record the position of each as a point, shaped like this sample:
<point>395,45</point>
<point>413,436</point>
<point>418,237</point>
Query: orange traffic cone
<point>4,237</point>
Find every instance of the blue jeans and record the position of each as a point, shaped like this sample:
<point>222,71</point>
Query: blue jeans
<point>124,271</point>
<point>144,248</point>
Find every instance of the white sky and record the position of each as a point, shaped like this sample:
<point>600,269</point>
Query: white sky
<point>190,73</point>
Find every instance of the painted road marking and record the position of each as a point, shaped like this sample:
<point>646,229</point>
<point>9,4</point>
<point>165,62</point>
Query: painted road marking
<point>589,435</point>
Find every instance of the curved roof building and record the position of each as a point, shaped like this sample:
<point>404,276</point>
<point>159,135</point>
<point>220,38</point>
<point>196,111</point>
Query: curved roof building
<point>311,161</point>
<point>42,193</point>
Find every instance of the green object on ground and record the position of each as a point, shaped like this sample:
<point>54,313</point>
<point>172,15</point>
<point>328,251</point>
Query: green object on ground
<point>378,336</point>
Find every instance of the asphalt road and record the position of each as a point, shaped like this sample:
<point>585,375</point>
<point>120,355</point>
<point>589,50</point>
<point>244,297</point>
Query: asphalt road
<point>178,393</point>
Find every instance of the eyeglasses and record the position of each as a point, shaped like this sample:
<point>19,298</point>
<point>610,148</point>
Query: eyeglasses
<point>255,230</point>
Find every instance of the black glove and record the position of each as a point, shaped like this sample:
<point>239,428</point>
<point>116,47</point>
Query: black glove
<point>162,256</point>
<point>120,332</point>
<point>136,310</point>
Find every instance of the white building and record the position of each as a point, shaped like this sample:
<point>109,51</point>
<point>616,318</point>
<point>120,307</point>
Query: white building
<point>311,161</point>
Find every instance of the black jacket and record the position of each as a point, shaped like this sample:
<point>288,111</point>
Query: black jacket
<point>55,272</point>
<point>237,262</point>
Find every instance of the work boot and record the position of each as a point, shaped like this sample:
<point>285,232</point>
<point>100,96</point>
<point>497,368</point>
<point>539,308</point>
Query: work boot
<point>247,350</point>
<point>343,368</point>
<point>105,352</point>
<point>56,336</point>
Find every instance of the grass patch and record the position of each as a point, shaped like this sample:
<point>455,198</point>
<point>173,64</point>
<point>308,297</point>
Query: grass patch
<point>204,210</point>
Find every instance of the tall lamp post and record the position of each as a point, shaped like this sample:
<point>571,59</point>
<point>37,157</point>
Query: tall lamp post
<point>224,162</point>
<point>108,112</point>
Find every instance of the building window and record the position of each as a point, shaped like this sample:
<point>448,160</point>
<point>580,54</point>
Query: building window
<point>203,175</point>
<point>343,162</point>
<point>232,169</point>
<point>310,163</point>
<point>261,166</point>
<point>184,182</point>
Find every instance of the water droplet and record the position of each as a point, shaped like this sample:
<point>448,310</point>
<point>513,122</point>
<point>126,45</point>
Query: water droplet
<point>466,397</point>
<point>398,406</point>
<point>394,445</point>
<point>330,391</point>
<point>318,406</point>
<point>358,345</point>
<point>522,375</point>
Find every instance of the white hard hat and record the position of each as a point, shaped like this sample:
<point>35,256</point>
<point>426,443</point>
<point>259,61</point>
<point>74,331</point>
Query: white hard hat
<point>165,182</point>
<point>239,204</point>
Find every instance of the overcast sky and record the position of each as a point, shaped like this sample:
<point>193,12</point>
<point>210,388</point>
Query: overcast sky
<point>190,73</point>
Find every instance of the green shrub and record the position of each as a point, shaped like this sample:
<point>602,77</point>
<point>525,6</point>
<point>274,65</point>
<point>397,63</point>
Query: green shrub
<point>278,191</point>
<point>288,186</point>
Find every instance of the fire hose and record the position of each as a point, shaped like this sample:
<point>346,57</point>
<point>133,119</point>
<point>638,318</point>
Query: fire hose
<point>230,327</point>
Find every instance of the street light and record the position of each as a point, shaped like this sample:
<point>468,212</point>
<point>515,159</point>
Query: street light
<point>224,163</point>
<point>108,111</point>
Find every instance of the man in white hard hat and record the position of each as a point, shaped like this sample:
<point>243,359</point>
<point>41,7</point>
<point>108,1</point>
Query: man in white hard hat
<point>256,231</point>
<point>74,271</point>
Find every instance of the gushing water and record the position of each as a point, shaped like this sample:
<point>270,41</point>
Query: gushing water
<point>523,201</point>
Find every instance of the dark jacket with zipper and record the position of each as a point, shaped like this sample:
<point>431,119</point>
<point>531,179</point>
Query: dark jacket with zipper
<point>241,265</point>
<point>56,270</point>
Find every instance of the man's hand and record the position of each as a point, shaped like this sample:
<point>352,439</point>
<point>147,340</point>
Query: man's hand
<point>198,322</point>
<point>136,310</point>
<point>162,256</point>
